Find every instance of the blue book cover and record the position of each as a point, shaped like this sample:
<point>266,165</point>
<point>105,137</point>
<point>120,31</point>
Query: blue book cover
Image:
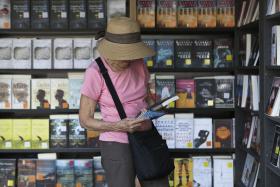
<point>45,173</point>
<point>74,93</point>
<point>150,61</point>
<point>65,173</point>
<point>165,54</point>
<point>83,173</point>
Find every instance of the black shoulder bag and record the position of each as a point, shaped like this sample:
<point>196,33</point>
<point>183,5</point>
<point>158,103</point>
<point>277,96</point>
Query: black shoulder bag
<point>150,152</point>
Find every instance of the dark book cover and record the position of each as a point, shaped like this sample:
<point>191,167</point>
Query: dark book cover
<point>249,171</point>
<point>165,87</point>
<point>165,54</point>
<point>20,14</point>
<point>224,92</point>
<point>207,12</point>
<point>275,152</point>
<point>146,13</point>
<point>223,132</point>
<point>83,173</point>
<point>205,92</point>
<point>166,13</point>
<point>59,14</point>
<point>187,13</point>
<point>150,61</point>
<point>256,138</point>
<point>65,173</point>
<point>184,53</point>
<point>40,14</point>
<point>96,14</point>
<point>247,129</point>
<point>225,13</point>
<point>58,131</point>
<point>273,93</point>
<point>7,172</point>
<point>99,173</point>
<point>77,134</point>
<point>77,14</point>
<point>203,53</point>
<point>5,14</point>
<point>223,53</point>
<point>26,173</point>
<point>254,50</point>
<point>45,173</point>
<point>93,139</point>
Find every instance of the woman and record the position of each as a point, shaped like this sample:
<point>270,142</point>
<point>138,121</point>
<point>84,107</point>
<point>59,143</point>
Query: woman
<point>122,53</point>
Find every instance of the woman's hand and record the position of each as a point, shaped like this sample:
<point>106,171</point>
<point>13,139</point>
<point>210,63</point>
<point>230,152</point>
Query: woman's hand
<point>130,125</point>
<point>145,125</point>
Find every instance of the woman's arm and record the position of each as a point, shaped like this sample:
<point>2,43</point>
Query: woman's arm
<point>86,115</point>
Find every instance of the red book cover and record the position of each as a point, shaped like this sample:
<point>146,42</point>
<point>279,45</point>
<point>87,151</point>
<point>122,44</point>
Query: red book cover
<point>185,90</point>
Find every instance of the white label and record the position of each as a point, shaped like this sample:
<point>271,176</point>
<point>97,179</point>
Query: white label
<point>63,128</point>
<point>44,145</point>
<point>226,95</point>
<point>63,14</point>
<point>27,144</point>
<point>82,14</point>
<point>45,15</point>
<point>101,15</point>
<point>8,144</point>
<point>26,15</point>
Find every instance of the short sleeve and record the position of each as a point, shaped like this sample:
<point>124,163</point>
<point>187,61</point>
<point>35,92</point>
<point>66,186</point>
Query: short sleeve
<point>92,84</point>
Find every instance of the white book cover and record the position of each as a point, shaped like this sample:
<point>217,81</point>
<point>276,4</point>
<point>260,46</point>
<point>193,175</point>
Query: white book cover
<point>247,170</point>
<point>223,172</point>
<point>245,90</point>
<point>22,49</point>
<point>82,53</point>
<point>42,53</point>
<point>63,53</point>
<point>202,133</point>
<point>278,45</point>
<point>257,58</point>
<point>254,18</point>
<point>5,91</point>
<point>59,93</point>
<point>6,53</point>
<point>166,127</point>
<point>202,171</point>
<point>248,48</point>
<point>255,92</point>
<point>252,129</point>
<point>41,93</point>
<point>269,7</point>
<point>116,8</point>
<point>241,18</point>
<point>75,84</point>
<point>276,106</point>
<point>274,45</point>
<point>184,131</point>
<point>233,133</point>
<point>21,87</point>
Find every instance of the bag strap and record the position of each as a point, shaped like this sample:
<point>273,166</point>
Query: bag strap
<point>111,88</point>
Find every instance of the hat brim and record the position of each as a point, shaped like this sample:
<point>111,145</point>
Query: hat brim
<point>116,51</point>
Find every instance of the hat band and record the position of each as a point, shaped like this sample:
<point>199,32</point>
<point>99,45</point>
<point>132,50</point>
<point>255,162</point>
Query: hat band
<point>123,38</point>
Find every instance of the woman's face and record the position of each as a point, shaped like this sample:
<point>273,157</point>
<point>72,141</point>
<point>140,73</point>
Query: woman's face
<point>119,65</point>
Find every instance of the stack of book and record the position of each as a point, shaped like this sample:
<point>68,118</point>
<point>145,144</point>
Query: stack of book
<point>249,12</point>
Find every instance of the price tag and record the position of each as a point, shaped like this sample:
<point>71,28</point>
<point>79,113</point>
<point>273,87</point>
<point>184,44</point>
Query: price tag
<point>229,58</point>
<point>44,145</point>
<point>45,15</point>
<point>82,14</point>
<point>63,128</point>
<point>10,183</point>
<point>277,150</point>
<point>189,145</point>
<point>27,145</point>
<point>188,61</point>
<point>226,95</point>
<point>206,61</point>
<point>26,15</point>
<point>205,164</point>
<point>101,15</point>
<point>63,14</point>
<point>169,62</point>
<point>8,144</point>
<point>229,165</point>
<point>172,105</point>
<point>150,63</point>
<point>210,103</point>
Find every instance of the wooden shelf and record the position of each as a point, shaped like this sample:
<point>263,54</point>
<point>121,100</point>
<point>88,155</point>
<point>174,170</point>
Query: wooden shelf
<point>251,152</point>
<point>273,118</point>
<point>273,17</point>
<point>47,32</point>
<point>253,26</point>
<point>246,110</point>
<point>36,112</point>
<point>274,169</point>
<point>200,110</point>
<point>182,70</point>
<point>248,70</point>
<point>273,68</point>
<point>179,31</point>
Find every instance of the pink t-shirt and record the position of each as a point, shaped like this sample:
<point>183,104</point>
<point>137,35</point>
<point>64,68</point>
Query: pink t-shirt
<point>131,86</point>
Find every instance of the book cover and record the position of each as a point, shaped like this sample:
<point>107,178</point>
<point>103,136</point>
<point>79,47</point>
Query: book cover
<point>5,92</point>
<point>165,54</point>
<point>42,53</point>
<point>166,13</point>
<point>40,14</point>
<point>6,133</point>
<point>26,172</point>
<point>256,138</point>
<point>99,173</point>
<point>223,53</point>
<point>165,87</point>
<point>203,53</point>
<point>202,171</point>
<point>77,134</point>
<point>59,14</point>
<point>247,169</point>
<point>65,173</point>
<point>207,13</point>
<point>202,133</point>
<point>45,173</point>
<point>205,92</point>
<point>223,133</point>
<point>83,173</point>
<point>225,13</point>
<point>97,13</point>
<point>183,173</point>
<point>63,53</point>
<point>58,131</point>
<point>6,53</point>
<point>223,172</point>
<point>224,92</point>
<point>275,152</point>
<point>41,93</point>
<point>20,14</point>
<point>116,8</point>
<point>5,19</point>
<point>150,61</point>
<point>59,94</point>
<point>77,14</point>
<point>8,172</point>
<point>21,91</point>
<point>22,49</point>
<point>247,130</point>
<point>273,93</point>
<point>75,84</point>
<point>184,53</point>
<point>187,13</point>
<point>152,88</point>
<point>185,90</point>
<point>165,126</point>
<point>40,133</point>
<point>146,15</point>
<point>22,133</point>
<point>82,53</point>
<point>171,179</point>
<point>184,128</point>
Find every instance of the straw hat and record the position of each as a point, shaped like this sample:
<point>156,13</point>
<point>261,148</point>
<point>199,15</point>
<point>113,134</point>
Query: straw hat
<point>122,41</point>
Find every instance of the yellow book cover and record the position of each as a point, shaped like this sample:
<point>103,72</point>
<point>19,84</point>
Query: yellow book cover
<point>207,14</point>
<point>40,133</point>
<point>187,13</point>
<point>225,13</point>
<point>185,90</point>
<point>146,13</point>
<point>166,13</point>
<point>22,133</point>
<point>59,94</point>
<point>6,133</point>
<point>183,173</point>
<point>41,93</point>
